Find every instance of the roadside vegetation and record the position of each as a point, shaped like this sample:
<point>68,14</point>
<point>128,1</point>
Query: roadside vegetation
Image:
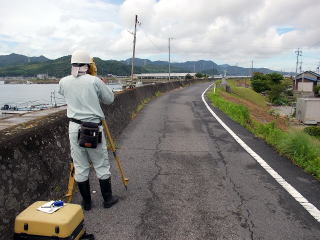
<point>142,104</point>
<point>317,91</point>
<point>250,109</point>
<point>313,131</point>
<point>246,93</point>
<point>201,75</point>
<point>274,86</point>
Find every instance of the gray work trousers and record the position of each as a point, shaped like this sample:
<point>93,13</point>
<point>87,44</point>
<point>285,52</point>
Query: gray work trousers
<point>82,156</point>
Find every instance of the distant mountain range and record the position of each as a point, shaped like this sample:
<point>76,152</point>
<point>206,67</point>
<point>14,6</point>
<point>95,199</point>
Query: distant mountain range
<point>16,59</point>
<point>203,66</point>
<point>20,65</point>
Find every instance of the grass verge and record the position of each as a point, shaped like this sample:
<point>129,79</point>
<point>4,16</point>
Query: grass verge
<point>301,148</point>
<point>248,94</point>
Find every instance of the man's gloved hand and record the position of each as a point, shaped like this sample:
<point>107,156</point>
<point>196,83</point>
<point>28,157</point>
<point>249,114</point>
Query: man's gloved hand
<point>93,71</point>
<point>92,68</point>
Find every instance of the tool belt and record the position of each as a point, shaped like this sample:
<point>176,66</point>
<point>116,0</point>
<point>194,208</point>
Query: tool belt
<point>89,135</point>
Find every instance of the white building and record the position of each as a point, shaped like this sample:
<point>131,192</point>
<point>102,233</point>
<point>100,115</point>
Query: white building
<point>42,76</point>
<point>163,75</point>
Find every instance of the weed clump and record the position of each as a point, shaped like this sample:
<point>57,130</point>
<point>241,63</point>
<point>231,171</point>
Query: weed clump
<point>313,131</point>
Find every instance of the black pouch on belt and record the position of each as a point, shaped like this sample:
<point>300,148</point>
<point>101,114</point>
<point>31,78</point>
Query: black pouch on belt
<point>89,135</point>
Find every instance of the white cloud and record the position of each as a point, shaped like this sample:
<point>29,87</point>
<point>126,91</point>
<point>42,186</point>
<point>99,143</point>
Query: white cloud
<point>230,31</point>
<point>55,28</point>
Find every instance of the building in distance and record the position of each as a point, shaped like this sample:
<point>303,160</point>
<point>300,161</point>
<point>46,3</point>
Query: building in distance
<point>162,76</point>
<point>306,81</point>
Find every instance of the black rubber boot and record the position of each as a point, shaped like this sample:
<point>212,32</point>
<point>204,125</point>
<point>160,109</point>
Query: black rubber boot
<point>84,188</point>
<point>106,192</point>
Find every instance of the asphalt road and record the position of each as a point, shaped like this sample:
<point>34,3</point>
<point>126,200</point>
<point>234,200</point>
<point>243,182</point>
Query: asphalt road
<point>189,179</point>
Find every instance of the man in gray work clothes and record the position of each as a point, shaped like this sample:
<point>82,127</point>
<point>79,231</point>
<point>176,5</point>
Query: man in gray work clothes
<point>83,94</point>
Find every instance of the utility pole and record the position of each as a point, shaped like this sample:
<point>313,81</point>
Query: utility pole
<point>245,81</point>
<point>134,49</point>
<point>213,69</point>
<point>169,56</point>
<point>299,54</point>
<point>318,68</point>
<point>251,68</point>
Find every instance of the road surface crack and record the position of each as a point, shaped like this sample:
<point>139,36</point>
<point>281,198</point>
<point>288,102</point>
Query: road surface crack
<point>153,210</point>
<point>242,213</point>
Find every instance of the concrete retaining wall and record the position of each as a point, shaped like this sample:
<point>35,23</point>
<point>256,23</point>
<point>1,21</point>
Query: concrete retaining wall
<point>34,156</point>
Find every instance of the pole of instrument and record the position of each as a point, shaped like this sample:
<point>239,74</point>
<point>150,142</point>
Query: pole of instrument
<point>107,133</point>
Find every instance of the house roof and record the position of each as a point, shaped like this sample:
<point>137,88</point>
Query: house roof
<point>316,75</point>
<point>306,77</point>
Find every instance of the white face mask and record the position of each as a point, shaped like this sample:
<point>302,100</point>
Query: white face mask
<point>79,71</point>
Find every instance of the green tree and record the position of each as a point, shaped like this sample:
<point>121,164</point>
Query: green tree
<point>273,84</point>
<point>277,95</point>
<point>275,78</point>
<point>188,76</point>
<point>260,82</point>
<point>278,87</point>
<point>199,75</point>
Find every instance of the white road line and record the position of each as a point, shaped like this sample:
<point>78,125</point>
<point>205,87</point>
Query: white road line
<point>290,189</point>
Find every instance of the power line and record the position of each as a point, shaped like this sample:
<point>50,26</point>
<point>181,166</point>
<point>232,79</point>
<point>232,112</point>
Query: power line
<point>158,48</point>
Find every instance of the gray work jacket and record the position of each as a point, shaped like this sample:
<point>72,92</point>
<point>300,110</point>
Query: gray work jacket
<point>83,95</point>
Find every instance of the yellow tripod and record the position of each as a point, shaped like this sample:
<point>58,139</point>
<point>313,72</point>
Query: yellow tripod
<point>107,133</point>
<point>109,139</point>
<point>69,194</point>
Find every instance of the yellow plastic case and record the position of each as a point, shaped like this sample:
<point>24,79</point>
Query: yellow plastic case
<point>66,223</point>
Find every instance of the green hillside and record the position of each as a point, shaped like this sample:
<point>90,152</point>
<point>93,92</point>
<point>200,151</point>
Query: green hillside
<point>61,67</point>
<point>17,65</point>
<point>16,59</point>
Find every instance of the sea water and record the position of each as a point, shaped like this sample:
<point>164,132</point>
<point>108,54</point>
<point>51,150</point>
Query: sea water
<point>23,95</point>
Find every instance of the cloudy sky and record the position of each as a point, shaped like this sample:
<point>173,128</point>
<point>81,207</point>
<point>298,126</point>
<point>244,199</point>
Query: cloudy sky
<point>225,31</point>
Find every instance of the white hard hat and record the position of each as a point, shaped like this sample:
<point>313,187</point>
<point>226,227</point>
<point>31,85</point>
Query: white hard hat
<point>80,56</point>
